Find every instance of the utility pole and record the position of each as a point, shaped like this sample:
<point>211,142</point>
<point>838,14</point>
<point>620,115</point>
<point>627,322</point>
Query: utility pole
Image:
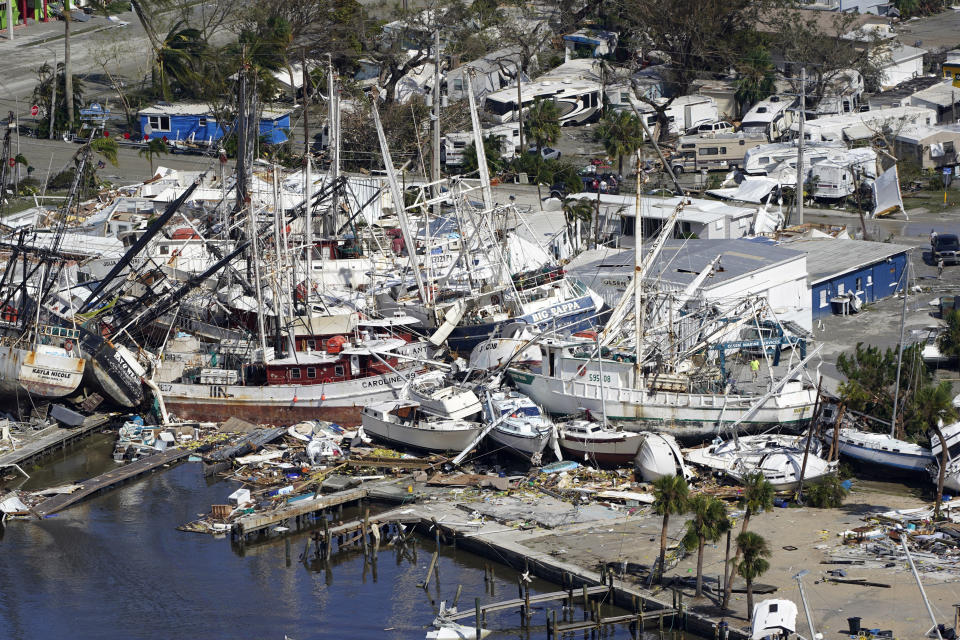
<point>67,78</point>
<point>10,18</point>
<point>520,110</point>
<point>53,96</point>
<point>803,117</point>
<point>435,154</point>
<point>333,141</point>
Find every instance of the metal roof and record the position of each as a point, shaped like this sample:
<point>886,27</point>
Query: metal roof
<point>200,109</point>
<point>834,257</point>
<point>682,260</point>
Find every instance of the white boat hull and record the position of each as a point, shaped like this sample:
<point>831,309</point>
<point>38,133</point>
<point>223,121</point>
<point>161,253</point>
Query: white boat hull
<point>682,414</point>
<point>612,451</point>
<point>659,457</point>
<point>427,435</point>
<point>884,452</point>
<point>528,446</point>
<point>41,374</point>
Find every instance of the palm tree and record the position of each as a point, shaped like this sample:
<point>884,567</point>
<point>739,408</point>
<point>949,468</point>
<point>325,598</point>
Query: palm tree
<point>542,124</point>
<point>492,149</point>
<point>754,550</point>
<point>621,134</point>
<point>107,147</point>
<point>670,494</point>
<point>757,496</point>
<point>181,49</point>
<point>154,148</point>
<point>575,209</point>
<point>756,78</point>
<point>949,340</point>
<point>708,524</point>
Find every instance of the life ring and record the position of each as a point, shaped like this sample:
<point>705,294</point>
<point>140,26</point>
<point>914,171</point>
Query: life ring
<point>495,299</point>
<point>582,371</point>
<point>68,346</point>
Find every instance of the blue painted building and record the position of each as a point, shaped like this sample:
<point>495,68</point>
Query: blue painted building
<point>837,267</point>
<point>196,123</point>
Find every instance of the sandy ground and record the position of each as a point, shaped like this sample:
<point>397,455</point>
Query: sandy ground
<point>814,534</point>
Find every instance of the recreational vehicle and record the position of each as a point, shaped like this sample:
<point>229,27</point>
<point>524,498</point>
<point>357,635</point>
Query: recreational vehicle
<point>711,152</point>
<point>574,86</point>
<point>684,113</point>
<point>860,126</point>
<point>453,145</point>
<point>771,117</point>
<point>761,160</point>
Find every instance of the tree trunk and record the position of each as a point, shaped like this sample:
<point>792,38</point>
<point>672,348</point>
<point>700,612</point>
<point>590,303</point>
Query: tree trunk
<point>726,563</point>
<point>729,586</point>
<point>620,166</point>
<point>663,545</point>
<point>943,468</point>
<point>67,75</point>
<point>700,567</point>
<point>749,600</point>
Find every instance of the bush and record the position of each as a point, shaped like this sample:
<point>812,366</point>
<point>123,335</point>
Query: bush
<point>828,493</point>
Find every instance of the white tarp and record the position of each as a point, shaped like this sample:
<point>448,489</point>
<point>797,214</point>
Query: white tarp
<point>523,255</point>
<point>750,190</point>
<point>886,193</point>
<point>767,221</point>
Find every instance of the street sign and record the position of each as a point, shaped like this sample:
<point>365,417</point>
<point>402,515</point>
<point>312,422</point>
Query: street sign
<point>34,110</point>
<point>947,171</point>
<point>12,162</point>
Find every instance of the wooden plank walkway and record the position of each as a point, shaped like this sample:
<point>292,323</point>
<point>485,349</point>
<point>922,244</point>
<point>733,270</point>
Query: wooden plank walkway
<point>260,521</point>
<point>640,618</point>
<point>534,599</point>
<point>107,480</point>
<point>48,440</point>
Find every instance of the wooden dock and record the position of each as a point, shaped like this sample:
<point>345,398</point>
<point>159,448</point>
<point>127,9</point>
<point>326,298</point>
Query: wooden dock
<point>292,514</point>
<point>51,439</point>
<point>110,479</point>
<point>519,603</point>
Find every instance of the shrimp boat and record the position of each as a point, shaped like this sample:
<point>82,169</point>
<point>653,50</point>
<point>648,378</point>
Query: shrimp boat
<point>41,371</point>
<point>405,423</point>
<point>522,428</point>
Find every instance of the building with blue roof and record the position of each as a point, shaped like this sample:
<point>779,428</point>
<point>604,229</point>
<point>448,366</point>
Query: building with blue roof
<point>195,122</point>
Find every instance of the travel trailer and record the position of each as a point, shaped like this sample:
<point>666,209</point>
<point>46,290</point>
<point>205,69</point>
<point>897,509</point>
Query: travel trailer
<point>771,117</point>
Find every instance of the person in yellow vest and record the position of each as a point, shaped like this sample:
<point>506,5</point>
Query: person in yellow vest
<point>755,368</point>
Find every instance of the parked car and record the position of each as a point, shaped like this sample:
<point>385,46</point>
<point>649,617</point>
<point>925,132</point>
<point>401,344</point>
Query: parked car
<point>547,153</point>
<point>712,128</point>
<point>946,247</point>
<point>560,190</point>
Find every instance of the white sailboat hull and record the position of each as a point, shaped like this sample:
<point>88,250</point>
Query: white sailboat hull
<point>429,435</point>
<point>659,457</point>
<point>882,450</point>
<point>527,446</point>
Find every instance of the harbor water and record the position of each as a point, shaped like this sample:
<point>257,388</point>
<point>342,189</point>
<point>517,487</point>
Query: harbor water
<point>115,566</point>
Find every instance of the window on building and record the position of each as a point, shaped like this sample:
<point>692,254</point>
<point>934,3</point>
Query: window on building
<point>311,345</point>
<point>458,84</point>
<point>948,147</point>
<point>159,123</point>
<point>294,374</point>
<point>823,298</point>
<point>624,97</point>
<point>311,372</point>
<point>164,250</point>
<point>203,121</point>
<point>859,284</point>
<point>840,289</point>
<point>869,280</point>
<point>338,370</point>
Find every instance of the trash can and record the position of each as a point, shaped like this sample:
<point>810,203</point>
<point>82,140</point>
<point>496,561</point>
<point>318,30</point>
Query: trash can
<point>854,626</point>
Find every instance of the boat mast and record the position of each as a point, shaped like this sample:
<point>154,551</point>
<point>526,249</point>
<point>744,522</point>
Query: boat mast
<point>478,144</point>
<point>916,576</point>
<point>637,261</point>
<point>903,315</point>
<point>398,203</point>
<point>803,598</point>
